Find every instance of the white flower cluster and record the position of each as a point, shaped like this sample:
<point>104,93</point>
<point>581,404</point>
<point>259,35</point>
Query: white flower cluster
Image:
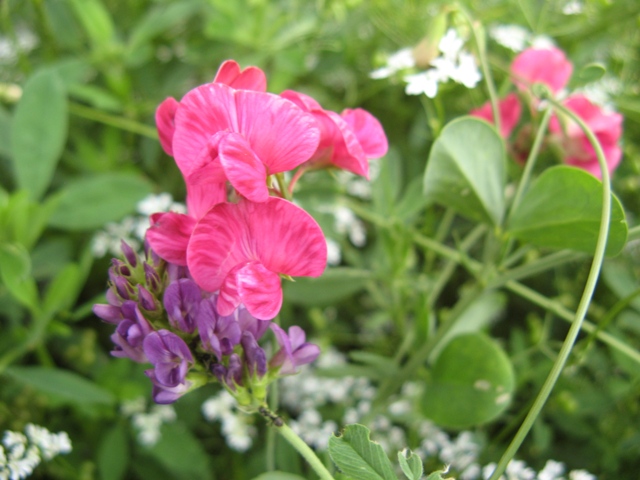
<point>236,428</point>
<point>25,41</point>
<point>453,63</point>
<point>307,394</point>
<point>147,424</point>
<point>21,453</point>
<point>132,229</point>
<point>517,38</point>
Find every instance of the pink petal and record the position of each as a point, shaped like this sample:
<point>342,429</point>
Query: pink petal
<point>251,78</point>
<point>229,296</point>
<point>287,239</point>
<point>282,135</point>
<point>169,236</point>
<point>203,112</point>
<point>260,290</point>
<point>368,131</point>
<point>216,245</point>
<point>347,151</point>
<point>510,110</point>
<point>201,197</point>
<point>165,115</point>
<point>243,168</point>
<point>549,66</point>
<point>305,102</point>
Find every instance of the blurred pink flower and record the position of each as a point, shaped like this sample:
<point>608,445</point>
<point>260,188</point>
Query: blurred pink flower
<point>607,127</point>
<point>241,250</point>
<point>546,65</point>
<point>509,109</point>
<point>347,140</point>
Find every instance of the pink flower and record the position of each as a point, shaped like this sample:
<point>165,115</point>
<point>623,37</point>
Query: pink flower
<point>241,250</point>
<point>509,109</point>
<point>607,128</point>
<point>347,140</point>
<point>229,73</point>
<point>548,65</point>
<point>239,135</point>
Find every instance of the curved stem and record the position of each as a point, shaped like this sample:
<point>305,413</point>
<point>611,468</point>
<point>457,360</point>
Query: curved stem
<point>303,449</point>
<point>113,120</point>
<point>576,325</point>
<point>286,193</point>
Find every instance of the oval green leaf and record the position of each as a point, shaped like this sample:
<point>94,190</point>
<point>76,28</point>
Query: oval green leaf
<point>467,170</point>
<point>358,457</point>
<point>472,382</point>
<point>562,209</point>
<point>39,132</point>
<point>91,202</point>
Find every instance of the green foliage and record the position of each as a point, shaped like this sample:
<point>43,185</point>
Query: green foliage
<point>467,170</point>
<point>411,464</point>
<point>563,208</point>
<point>359,457</point>
<point>472,382</point>
<point>38,132</point>
<point>113,453</point>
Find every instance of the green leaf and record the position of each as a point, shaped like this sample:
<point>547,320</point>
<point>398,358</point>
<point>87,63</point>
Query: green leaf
<point>562,209</point>
<point>95,20</point>
<point>410,464</point>
<point>65,385</point>
<point>113,454</point>
<point>5,132</point>
<point>471,383</point>
<point>474,318</point>
<point>276,475</point>
<point>358,457</point>
<point>591,72</point>
<point>412,202</point>
<point>181,453</point>
<point>39,132</point>
<point>161,18</point>
<point>63,290</point>
<point>91,202</point>
<point>334,285</point>
<point>15,271</point>
<point>467,170</point>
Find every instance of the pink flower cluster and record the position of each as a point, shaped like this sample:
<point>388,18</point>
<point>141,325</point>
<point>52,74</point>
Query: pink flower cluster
<point>210,283</point>
<point>550,67</point>
<point>232,136</point>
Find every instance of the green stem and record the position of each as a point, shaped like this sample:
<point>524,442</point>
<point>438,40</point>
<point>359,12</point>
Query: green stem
<point>113,120</point>
<point>531,160</point>
<point>303,449</point>
<point>576,325</point>
<point>484,64</point>
<point>567,315</point>
<point>283,186</point>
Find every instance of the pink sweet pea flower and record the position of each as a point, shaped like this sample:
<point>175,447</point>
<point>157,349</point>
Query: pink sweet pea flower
<point>509,110</point>
<point>229,73</point>
<point>347,140</point>
<point>239,135</point>
<point>240,249</point>
<point>607,128</point>
<point>541,65</point>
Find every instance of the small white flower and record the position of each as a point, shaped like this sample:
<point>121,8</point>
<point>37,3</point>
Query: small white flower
<point>542,41</point>
<point>334,255</point>
<point>552,471</point>
<point>423,82</point>
<point>451,44</point>
<point>581,475</point>
<point>513,37</point>
<point>573,7</point>
<point>401,60</point>
<point>467,72</point>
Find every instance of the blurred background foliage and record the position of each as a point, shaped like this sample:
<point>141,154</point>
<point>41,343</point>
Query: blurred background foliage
<point>113,62</point>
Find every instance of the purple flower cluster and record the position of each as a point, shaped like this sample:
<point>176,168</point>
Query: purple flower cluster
<point>163,318</point>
